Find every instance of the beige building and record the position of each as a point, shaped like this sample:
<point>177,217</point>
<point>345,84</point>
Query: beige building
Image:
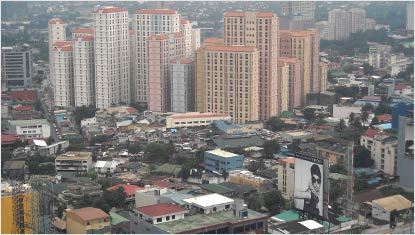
<point>322,28</point>
<point>338,24</point>
<point>303,46</point>
<point>357,20</point>
<point>193,119</point>
<point>383,150</point>
<point>260,30</point>
<point>87,220</point>
<point>74,162</point>
<point>112,57</point>
<point>285,170</point>
<point>227,81</point>
<point>322,74</point>
<point>81,32</point>
<point>62,67</point>
<point>246,177</point>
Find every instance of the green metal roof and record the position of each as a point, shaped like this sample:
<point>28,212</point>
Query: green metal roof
<point>337,176</point>
<point>117,219</point>
<point>288,216</point>
<point>169,169</point>
<point>205,220</point>
<point>216,188</point>
<point>343,219</point>
<point>28,122</point>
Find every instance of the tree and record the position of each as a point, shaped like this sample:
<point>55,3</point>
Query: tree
<point>357,123</point>
<point>254,166</point>
<point>360,183</point>
<point>351,118</point>
<point>225,174</point>
<point>309,114</point>
<point>374,122</point>
<point>270,148</point>
<point>274,202</point>
<point>135,148</point>
<point>83,112</point>
<point>275,124</point>
<point>367,69</point>
<point>115,198</point>
<point>362,157</point>
<point>157,152</point>
<point>295,145</point>
<point>141,107</point>
<point>383,108</point>
<point>341,126</point>
<point>365,116</point>
<point>50,140</point>
<point>5,156</point>
<point>368,107</point>
<point>338,169</point>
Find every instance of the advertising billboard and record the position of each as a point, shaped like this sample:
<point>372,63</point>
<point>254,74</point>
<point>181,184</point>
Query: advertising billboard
<point>310,184</point>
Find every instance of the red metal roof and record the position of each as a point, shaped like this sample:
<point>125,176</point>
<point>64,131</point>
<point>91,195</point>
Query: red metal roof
<point>62,43</point>
<point>384,118</point>
<point>128,188</point>
<point>132,110</point>
<point>184,21</point>
<point>163,184</point>
<point>84,30</point>
<point>183,61</point>
<point>372,98</point>
<point>231,48</point>
<point>24,108</point>
<point>265,15</point>
<point>111,10</point>
<point>56,21</point>
<point>234,14</point>
<point>160,209</point>
<point>8,138</point>
<point>85,38</point>
<point>156,11</point>
<point>371,133</point>
<point>90,213</point>
<point>399,87</point>
<point>24,95</point>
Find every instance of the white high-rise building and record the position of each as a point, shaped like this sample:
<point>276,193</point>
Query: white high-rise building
<point>84,75</point>
<point>112,57</point>
<point>410,16</point>
<point>56,32</point>
<point>186,30</point>
<point>80,32</point>
<point>338,24</point>
<point>182,79</point>
<point>322,27</point>
<point>357,20</point>
<point>147,22</point>
<point>195,40</point>
<point>62,66</point>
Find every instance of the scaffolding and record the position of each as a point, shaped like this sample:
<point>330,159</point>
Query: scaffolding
<point>25,209</point>
<point>33,207</point>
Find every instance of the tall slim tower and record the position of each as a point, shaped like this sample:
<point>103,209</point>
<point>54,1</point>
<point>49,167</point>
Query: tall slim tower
<point>410,16</point>
<point>303,46</point>
<point>63,74</point>
<point>84,71</point>
<point>357,20</point>
<point>338,25</point>
<point>112,58</point>
<point>260,30</point>
<point>56,32</point>
<point>148,22</point>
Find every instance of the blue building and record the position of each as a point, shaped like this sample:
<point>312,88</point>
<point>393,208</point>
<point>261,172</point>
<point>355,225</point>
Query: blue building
<point>230,128</point>
<point>400,109</point>
<point>220,161</point>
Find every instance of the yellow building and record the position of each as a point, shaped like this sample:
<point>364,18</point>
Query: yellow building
<point>248,178</point>
<point>87,220</point>
<point>8,226</point>
<point>335,152</point>
<point>323,73</point>
<point>227,81</point>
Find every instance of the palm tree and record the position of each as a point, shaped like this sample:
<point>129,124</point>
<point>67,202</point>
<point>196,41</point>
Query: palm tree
<point>365,116</point>
<point>351,118</point>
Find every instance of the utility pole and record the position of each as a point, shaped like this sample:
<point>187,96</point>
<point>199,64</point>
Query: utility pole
<point>349,190</point>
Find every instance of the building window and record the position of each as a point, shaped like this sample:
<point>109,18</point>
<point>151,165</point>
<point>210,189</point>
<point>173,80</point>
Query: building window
<point>159,219</point>
<point>167,218</point>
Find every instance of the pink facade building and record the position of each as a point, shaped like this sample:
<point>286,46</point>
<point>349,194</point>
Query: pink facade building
<point>161,50</point>
<point>260,30</point>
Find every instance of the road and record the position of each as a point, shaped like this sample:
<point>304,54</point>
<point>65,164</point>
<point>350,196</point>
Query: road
<point>50,117</point>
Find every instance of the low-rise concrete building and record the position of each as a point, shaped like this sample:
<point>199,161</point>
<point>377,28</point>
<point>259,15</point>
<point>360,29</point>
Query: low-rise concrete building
<point>382,208</point>
<point>35,128</point>
<point>87,220</point>
<point>75,162</point>
<point>246,177</point>
<point>194,119</point>
<point>285,170</point>
<point>218,160</point>
<point>160,213</point>
<point>343,111</point>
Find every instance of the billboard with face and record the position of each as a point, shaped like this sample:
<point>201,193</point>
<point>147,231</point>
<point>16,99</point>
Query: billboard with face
<point>308,188</point>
